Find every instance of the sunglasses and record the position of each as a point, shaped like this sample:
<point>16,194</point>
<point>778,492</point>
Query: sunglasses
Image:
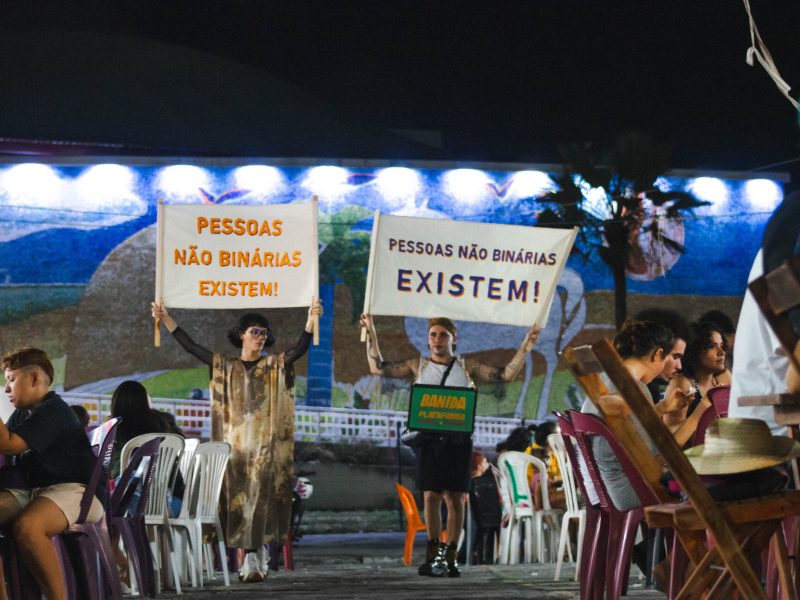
<point>258,332</point>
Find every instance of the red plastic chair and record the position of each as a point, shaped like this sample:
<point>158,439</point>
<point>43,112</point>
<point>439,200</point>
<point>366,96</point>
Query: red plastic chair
<point>622,526</point>
<point>719,397</point>
<point>592,565</point>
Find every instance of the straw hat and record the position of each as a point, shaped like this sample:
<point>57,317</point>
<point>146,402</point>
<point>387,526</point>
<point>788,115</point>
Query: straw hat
<point>737,445</point>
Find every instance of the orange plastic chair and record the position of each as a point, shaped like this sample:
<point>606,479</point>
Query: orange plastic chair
<point>413,520</point>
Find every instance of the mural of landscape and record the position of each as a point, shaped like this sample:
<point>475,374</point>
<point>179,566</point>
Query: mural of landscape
<point>77,266</point>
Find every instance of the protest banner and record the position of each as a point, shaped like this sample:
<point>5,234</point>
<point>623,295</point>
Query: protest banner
<point>237,256</point>
<point>505,274</point>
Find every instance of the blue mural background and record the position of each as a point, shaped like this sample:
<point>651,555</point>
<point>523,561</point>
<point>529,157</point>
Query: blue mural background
<point>58,223</point>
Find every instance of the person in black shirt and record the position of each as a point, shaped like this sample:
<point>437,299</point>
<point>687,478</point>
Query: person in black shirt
<point>55,460</point>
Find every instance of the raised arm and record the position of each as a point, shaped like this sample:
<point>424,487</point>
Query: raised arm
<point>301,347</point>
<point>188,344</point>
<point>490,374</point>
<point>377,366</point>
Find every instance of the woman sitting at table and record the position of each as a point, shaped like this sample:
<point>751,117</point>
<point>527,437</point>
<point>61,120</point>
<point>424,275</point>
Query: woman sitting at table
<point>703,369</point>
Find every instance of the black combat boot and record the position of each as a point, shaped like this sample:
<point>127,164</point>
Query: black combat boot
<point>451,558</point>
<point>434,565</point>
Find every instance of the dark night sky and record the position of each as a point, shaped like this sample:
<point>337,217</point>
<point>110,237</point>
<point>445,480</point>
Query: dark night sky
<point>502,80</point>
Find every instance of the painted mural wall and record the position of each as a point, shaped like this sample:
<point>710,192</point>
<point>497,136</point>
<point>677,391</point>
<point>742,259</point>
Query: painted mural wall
<point>77,269</point>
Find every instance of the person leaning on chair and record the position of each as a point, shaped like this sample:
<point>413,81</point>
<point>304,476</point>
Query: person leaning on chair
<point>56,462</point>
<point>444,459</point>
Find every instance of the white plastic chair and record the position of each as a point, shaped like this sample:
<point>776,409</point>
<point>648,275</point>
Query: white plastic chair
<point>502,549</point>
<point>157,511</point>
<point>200,507</point>
<point>189,446</point>
<point>514,466</point>
<point>574,511</point>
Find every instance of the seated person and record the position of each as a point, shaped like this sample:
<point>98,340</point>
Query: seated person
<point>56,461</point>
<point>644,347</point>
<point>131,403</point>
<point>83,416</point>
<point>681,332</point>
<point>541,450</point>
<point>725,326</point>
<point>484,501</point>
<point>703,369</point>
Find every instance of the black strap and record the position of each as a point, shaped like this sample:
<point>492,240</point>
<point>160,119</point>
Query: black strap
<point>447,371</point>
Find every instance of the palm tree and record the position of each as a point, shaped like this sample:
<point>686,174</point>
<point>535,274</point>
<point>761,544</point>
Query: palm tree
<point>610,192</point>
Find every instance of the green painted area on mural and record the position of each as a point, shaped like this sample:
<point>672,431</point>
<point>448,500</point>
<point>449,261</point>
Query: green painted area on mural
<point>179,383</point>
<point>18,302</point>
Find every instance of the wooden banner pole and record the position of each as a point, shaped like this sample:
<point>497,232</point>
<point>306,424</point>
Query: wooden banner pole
<point>373,241</point>
<point>159,270</point>
<point>315,201</point>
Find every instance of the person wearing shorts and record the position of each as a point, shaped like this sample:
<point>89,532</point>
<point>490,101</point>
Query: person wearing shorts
<point>54,460</point>
<point>443,459</point>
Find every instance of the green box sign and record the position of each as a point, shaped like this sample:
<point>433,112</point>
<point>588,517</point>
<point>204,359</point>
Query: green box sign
<point>442,408</point>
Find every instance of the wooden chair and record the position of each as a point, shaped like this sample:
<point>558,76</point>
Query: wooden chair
<point>740,529</point>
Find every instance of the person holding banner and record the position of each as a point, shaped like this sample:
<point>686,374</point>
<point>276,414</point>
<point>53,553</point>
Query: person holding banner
<point>444,458</point>
<point>252,408</point>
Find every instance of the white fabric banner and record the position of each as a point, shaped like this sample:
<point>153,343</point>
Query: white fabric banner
<point>468,271</point>
<point>233,256</point>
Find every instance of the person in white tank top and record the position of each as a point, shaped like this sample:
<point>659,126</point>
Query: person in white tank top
<point>442,480</point>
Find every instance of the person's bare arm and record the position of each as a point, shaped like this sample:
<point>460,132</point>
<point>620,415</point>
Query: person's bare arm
<point>680,386</point>
<point>491,374</point>
<point>406,369</point>
<point>684,432</point>
<point>11,443</point>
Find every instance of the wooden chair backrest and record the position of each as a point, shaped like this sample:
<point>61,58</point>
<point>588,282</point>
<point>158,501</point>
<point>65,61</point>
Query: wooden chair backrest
<point>691,485</point>
<point>776,293</point>
<point>586,368</point>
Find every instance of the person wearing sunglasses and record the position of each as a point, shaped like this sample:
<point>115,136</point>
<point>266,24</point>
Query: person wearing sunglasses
<point>252,408</point>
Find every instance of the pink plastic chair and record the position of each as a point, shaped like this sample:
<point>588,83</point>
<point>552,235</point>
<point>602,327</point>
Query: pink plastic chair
<point>719,397</point>
<point>622,526</point>
<point>92,538</point>
<point>708,417</point>
<point>592,559</point>
<point>130,523</point>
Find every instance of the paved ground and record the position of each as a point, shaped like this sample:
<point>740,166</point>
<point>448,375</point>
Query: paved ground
<point>369,567</point>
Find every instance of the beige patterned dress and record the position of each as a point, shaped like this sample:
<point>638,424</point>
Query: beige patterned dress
<point>254,412</point>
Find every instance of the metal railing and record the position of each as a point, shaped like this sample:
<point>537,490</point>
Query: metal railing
<point>312,424</point>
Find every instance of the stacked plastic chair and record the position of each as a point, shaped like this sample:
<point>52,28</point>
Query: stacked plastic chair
<point>200,507</point>
<point>156,513</point>
<point>128,520</point>
<point>620,527</point>
<point>569,475</point>
<point>591,557</point>
<point>92,538</point>
<point>523,515</point>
